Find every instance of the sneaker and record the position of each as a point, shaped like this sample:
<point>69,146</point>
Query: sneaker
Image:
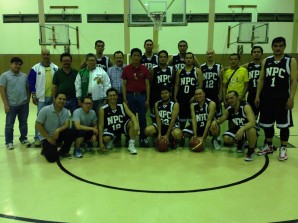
<point>77,153</point>
<point>37,142</point>
<point>216,144</point>
<point>249,157</point>
<point>240,148</point>
<point>26,143</point>
<point>131,148</point>
<point>144,143</point>
<point>265,150</point>
<point>283,155</point>
<point>9,146</point>
<point>109,144</point>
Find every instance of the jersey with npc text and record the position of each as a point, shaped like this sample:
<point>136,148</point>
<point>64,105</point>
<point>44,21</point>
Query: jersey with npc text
<point>103,62</point>
<point>253,75</point>
<point>178,62</point>
<point>201,113</point>
<point>165,112</point>
<point>149,62</point>
<point>188,84</point>
<point>277,78</point>
<point>238,118</point>
<point>114,119</point>
<point>211,79</point>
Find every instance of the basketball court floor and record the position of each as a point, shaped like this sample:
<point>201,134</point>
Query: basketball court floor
<point>177,186</point>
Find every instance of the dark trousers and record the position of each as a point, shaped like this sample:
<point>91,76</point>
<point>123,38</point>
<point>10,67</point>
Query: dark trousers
<point>65,139</point>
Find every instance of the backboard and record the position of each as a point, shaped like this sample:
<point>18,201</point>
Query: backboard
<point>54,34</point>
<point>139,11</point>
<point>253,32</point>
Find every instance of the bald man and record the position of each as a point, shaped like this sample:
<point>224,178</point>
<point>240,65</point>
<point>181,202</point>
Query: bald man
<point>40,84</point>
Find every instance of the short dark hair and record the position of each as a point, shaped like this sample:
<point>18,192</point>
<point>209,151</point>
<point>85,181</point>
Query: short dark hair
<point>165,87</point>
<point>65,55</point>
<point>90,55</point>
<point>278,40</point>
<point>57,94</point>
<point>99,41</point>
<point>117,52</point>
<point>234,54</point>
<point>162,51</point>
<point>111,90</point>
<point>235,92</point>
<point>135,50</point>
<point>182,41</point>
<point>256,47</point>
<point>193,56</point>
<point>86,97</point>
<point>148,40</point>
<point>16,60</point>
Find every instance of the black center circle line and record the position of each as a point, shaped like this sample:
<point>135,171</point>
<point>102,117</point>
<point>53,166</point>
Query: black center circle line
<point>266,164</point>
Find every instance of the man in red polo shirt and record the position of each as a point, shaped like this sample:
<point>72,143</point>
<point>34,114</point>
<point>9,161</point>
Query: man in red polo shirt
<point>136,90</point>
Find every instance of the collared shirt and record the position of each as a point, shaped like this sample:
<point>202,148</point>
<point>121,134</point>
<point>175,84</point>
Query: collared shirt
<point>16,87</point>
<point>115,74</point>
<point>135,78</point>
<point>65,82</point>
<point>51,120</point>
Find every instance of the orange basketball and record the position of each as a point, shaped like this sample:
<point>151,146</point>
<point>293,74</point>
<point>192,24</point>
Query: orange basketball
<point>161,146</point>
<point>196,145</point>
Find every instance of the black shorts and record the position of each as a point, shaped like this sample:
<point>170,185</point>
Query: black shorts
<point>122,129</point>
<point>164,128</point>
<point>233,130</point>
<point>184,113</point>
<point>200,131</point>
<point>272,111</point>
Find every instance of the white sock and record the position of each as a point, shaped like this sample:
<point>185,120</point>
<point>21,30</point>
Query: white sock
<point>131,141</point>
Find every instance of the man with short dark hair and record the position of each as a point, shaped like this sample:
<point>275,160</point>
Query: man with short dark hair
<point>275,96</point>
<point>149,59</point>
<point>63,81</point>
<point>15,95</point>
<point>136,90</point>
<point>53,125</point>
<point>242,127</point>
<point>85,126</point>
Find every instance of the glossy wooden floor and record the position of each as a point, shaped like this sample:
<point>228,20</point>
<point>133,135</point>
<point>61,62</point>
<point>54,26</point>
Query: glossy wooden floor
<point>151,187</point>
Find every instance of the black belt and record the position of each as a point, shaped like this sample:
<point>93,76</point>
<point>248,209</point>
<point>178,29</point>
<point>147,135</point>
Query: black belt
<point>136,93</point>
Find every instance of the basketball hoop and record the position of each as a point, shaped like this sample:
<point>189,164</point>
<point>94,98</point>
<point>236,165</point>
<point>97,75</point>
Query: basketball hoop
<point>157,18</point>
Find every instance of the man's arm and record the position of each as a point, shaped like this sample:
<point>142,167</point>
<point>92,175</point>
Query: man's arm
<point>194,120</point>
<point>177,82</point>
<point>174,117</point>
<point>147,93</point>
<point>211,113</point>
<point>293,86</point>
<point>200,77</point>
<point>4,98</point>
<point>260,84</point>
<point>221,119</point>
<point>158,121</point>
<point>220,96</point>
<point>100,129</point>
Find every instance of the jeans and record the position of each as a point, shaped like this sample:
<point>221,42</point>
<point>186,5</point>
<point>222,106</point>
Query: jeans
<point>136,104</point>
<point>40,105</point>
<point>96,105</point>
<point>71,104</point>
<point>22,111</point>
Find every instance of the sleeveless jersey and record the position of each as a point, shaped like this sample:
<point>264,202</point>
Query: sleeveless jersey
<point>253,74</point>
<point>238,118</point>
<point>114,119</point>
<point>149,62</point>
<point>202,113</point>
<point>188,84</point>
<point>277,78</point>
<point>103,62</point>
<point>178,62</point>
<point>165,112</point>
<point>211,79</point>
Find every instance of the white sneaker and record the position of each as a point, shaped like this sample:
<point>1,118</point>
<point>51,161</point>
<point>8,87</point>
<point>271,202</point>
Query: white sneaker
<point>9,146</point>
<point>109,144</point>
<point>216,144</point>
<point>283,154</point>
<point>37,142</point>
<point>131,148</point>
<point>26,143</point>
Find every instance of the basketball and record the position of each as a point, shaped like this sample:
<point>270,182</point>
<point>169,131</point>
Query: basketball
<point>161,146</point>
<point>196,145</point>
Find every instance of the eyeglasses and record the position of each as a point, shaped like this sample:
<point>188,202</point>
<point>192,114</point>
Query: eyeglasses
<point>91,60</point>
<point>87,103</point>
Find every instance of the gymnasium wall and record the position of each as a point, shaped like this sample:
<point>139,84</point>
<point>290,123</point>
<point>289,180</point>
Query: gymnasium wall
<point>23,38</point>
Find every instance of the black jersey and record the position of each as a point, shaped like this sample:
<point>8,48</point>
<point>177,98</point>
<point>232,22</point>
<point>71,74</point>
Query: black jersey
<point>211,79</point>
<point>165,112</point>
<point>202,113</point>
<point>277,78</point>
<point>188,83</point>
<point>238,118</point>
<point>253,75</point>
<point>178,62</point>
<point>149,62</point>
<point>103,62</point>
<point>114,119</point>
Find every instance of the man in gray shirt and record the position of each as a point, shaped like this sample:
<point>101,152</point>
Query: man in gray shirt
<point>53,125</point>
<point>85,126</point>
<point>15,95</point>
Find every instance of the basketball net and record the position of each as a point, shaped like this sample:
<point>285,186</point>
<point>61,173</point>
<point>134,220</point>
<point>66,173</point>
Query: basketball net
<point>157,18</point>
